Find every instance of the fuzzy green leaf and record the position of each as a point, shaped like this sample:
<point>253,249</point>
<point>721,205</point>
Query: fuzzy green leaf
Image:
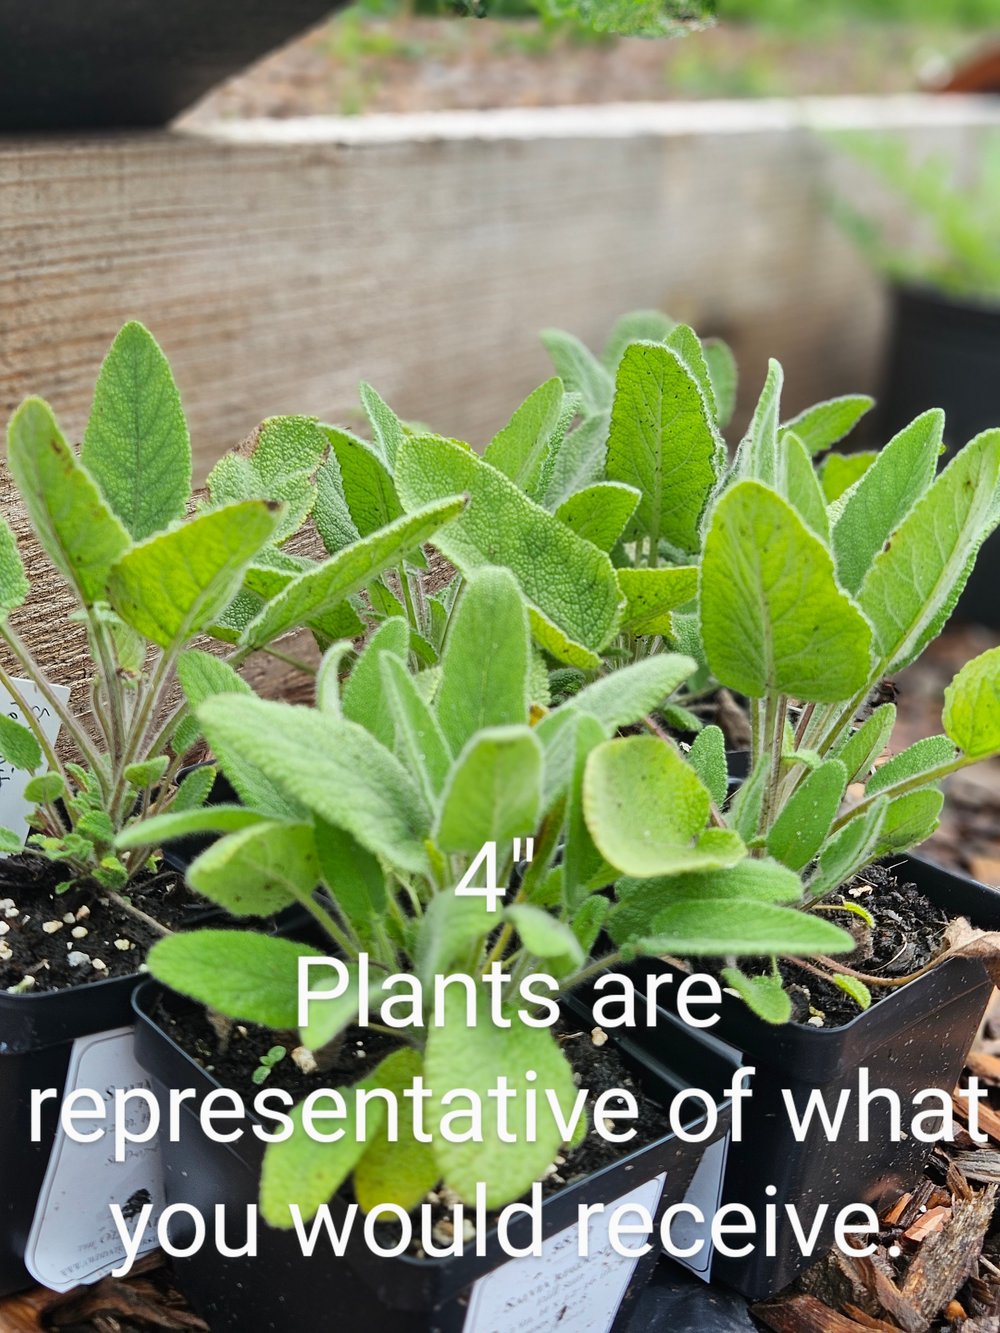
<point>579,370</point>
<point>173,823</point>
<point>331,513</point>
<point>486,661</point>
<point>147,773</point>
<point>886,493</point>
<point>910,820</point>
<point>539,424</point>
<point>18,746</point>
<point>764,996</point>
<point>651,595</point>
<point>800,830</point>
<point>643,804</point>
<point>258,871</point>
<point>136,445</point>
<point>697,928</point>
<point>599,513</point>
<point>332,767</point>
<point>624,696</point>
<point>77,529</point>
<point>46,787</point>
<point>972,706</point>
<point>242,974</point>
<point>800,486</point>
<point>387,429</point>
<point>367,482</point>
<point>14,585</point>
<point>636,326</point>
<point>419,740</point>
<point>545,936</point>
<point>757,455</point>
<point>916,578</point>
<point>363,700</point>
<point>663,441</point>
<point>401,1171</point>
<point>856,989</point>
<point>855,846</point>
<point>173,585</point>
<point>825,424</point>
<point>458,1057</point>
<point>839,472</point>
<point>724,374</point>
<point>493,792</point>
<point>353,875</point>
<point>708,759</point>
<point>923,756</point>
<point>864,746</point>
<point>277,463</point>
<point>773,618</point>
<point>321,589</point>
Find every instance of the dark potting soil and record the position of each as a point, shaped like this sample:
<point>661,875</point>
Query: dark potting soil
<point>907,934</point>
<point>79,936</point>
<point>233,1052</point>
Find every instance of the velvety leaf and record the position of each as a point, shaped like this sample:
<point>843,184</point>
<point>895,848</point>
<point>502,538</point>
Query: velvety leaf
<point>46,787</point>
<point>599,513</point>
<point>582,863</point>
<point>578,462</point>
<point>402,1171</point>
<point>420,742</point>
<point>331,513</point>
<point>174,584</point>
<point>147,772</point>
<point>278,462</point>
<point>863,747</point>
<point>884,496</point>
<point>825,424</point>
<point>773,617</point>
<point>847,852</point>
<point>628,694</point>
<point>651,595</point>
<point>722,369</point>
<point>539,424</point>
<point>972,706</point>
<point>757,456</point>
<point>800,485</point>
<point>18,746</point>
<point>136,445</point>
<point>698,928</point>
<point>839,472</point>
<point>363,700</point>
<point>923,756</point>
<point>493,792</point>
<point>387,429</point>
<point>915,580</point>
<point>663,442</point>
<point>853,987</point>
<point>451,925</point>
<point>157,829</point>
<point>545,936</point>
<point>643,804</point>
<point>73,523</point>
<point>486,660</point>
<point>353,875</point>
<point>351,569</point>
<point>194,788</point>
<point>683,340</point>
<point>910,820</point>
<point>240,973</point>
<point>579,370</point>
<point>765,995</point>
<point>460,1057</point>
<point>14,586</point>
<point>636,326</point>
<point>804,821</point>
<point>334,768</point>
<point>708,759</point>
<point>367,482</point>
<point>258,871</point>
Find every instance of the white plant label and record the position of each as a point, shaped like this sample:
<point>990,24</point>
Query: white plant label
<point>562,1288</point>
<point>14,809</point>
<point>73,1237</point>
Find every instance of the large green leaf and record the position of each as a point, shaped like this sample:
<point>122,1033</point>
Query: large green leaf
<point>643,804</point>
<point>538,425</point>
<point>493,792</point>
<point>331,513</point>
<point>628,694</point>
<point>136,445</point>
<point>458,1057</point>
<point>79,533</point>
<point>773,617</point>
<point>885,494</point>
<point>173,585</point>
<point>698,928</point>
<point>915,580</point>
<point>663,441</point>
<point>724,375</point>
<point>258,871</point>
<point>599,513</point>
<point>367,483</point>
<point>804,821</point>
<point>248,976</point>
<point>278,462</point>
<point>402,1170</point>
<point>570,585</point>
<point>332,767</point>
<point>321,589</point>
<point>972,706</point>
<point>486,663</point>
<point>825,424</point>
<point>578,462</point>
<point>651,595</point>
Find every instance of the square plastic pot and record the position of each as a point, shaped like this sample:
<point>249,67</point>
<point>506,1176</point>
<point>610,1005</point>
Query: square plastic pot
<point>916,1037</point>
<point>36,1038</point>
<point>84,64</point>
<point>280,1290</point>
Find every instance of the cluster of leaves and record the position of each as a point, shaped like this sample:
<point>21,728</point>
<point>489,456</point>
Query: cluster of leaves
<point>960,250</point>
<point>148,577</point>
<point>385,795</point>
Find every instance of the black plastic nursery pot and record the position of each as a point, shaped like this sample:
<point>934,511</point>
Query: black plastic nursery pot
<point>72,65</point>
<point>280,1289</point>
<point>944,351</point>
<point>915,1038</point>
<point>37,1033</point>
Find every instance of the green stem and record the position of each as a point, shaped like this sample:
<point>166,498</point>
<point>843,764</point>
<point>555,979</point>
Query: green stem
<point>592,969</point>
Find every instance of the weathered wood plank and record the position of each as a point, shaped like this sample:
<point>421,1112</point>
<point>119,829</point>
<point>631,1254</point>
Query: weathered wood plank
<point>280,262</point>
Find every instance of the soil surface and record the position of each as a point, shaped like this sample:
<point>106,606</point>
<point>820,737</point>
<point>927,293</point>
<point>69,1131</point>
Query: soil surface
<point>360,64</point>
<point>79,936</point>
